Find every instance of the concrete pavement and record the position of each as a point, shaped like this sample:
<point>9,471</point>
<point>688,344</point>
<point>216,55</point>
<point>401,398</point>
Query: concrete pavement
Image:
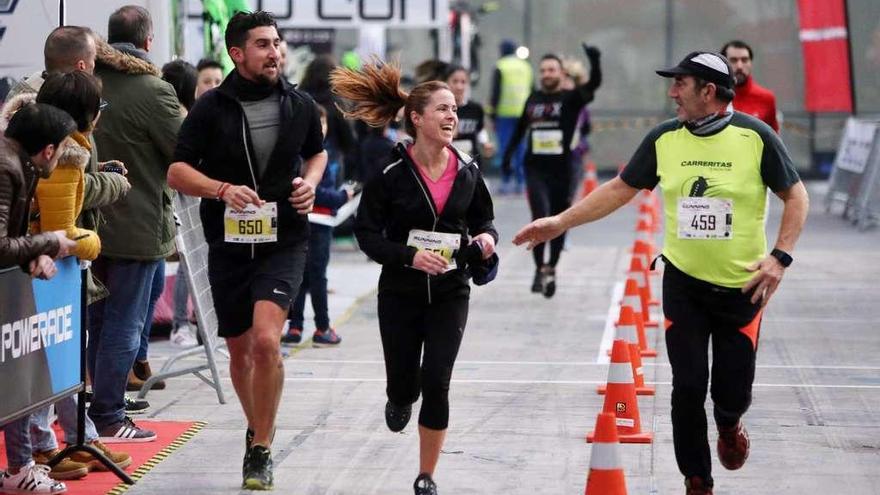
<point>523,393</point>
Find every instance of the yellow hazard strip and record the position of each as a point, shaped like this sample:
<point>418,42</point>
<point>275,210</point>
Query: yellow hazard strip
<point>160,456</point>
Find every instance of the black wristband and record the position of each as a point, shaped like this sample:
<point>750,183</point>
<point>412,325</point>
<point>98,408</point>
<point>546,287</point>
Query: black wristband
<point>784,258</point>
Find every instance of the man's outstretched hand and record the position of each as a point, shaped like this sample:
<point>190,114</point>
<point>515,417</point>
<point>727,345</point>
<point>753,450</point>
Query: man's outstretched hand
<point>541,230</point>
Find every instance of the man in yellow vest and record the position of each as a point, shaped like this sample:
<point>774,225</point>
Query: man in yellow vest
<point>714,168</point>
<point>511,86</point>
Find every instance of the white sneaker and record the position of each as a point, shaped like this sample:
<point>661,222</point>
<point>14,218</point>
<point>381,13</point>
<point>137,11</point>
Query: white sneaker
<point>33,478</point>
<point>183,336</point>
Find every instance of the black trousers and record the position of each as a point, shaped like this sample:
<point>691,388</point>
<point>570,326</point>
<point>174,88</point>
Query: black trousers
<point>695,311</point>
<point>410,327</point>
<point>549,193</point>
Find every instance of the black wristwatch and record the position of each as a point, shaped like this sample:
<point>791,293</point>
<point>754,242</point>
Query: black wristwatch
<point>784,258</point>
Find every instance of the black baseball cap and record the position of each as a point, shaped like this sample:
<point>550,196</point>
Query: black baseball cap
<point>710,66</point>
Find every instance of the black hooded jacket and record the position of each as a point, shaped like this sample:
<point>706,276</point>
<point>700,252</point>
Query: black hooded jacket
<point>397,201</point>
<point>215,139</point>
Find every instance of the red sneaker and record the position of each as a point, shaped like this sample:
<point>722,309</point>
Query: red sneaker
<point>697,486</point>
<point>733,446</point>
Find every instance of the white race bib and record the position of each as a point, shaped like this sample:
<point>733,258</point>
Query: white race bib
<point>464,145</point>
<point>546,141</point>
<point>252,225</point>
<point>705,218</point>
<point>441,243</point>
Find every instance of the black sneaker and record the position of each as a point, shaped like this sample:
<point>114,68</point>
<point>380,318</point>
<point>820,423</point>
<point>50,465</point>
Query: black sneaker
<point>424,485</point>
<point>549,282</point>
<point>293,336</point>
<point>136,406</point>
<point>396,417</point>
<point>538,282</point>
<point>257,469</point>
<point>248,442</point>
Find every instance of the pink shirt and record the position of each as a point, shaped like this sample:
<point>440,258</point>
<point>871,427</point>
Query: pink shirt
<point>440,188</point>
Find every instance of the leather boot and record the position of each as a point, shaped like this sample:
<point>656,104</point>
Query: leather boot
<point>142,371</point>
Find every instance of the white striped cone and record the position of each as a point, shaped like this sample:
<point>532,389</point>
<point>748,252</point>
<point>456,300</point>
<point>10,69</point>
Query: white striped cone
<point>606,475</point>
<point>620,397</point>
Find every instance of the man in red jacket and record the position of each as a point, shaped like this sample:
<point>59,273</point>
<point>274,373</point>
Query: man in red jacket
<point>751,98</point>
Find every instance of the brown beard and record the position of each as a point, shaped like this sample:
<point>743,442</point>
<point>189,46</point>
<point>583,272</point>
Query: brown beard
<point>554,87</point>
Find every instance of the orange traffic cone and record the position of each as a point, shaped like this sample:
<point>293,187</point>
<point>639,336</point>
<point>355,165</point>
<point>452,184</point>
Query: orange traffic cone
<point>644,249</point>
<point>621,400</point>
<point>640,272</point>
<point>629,323</point>
<point>638,373</point>
<point>648,209</point>
<point>606,471</point>
<point>645,228</point>
<point>632,296</point>
<point>591,180</point>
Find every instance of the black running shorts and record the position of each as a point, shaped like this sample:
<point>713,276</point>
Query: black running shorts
<point>238,282</point>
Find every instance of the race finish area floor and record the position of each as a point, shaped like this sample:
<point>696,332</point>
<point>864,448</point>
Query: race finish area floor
<point>170,436</point>
<point>523,395</point>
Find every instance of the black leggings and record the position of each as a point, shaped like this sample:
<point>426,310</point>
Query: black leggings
<point>407,325</point>
<point>549,194</point>
<point>696,310</point>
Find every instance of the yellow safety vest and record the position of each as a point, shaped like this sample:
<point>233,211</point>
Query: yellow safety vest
<point>516,85</point>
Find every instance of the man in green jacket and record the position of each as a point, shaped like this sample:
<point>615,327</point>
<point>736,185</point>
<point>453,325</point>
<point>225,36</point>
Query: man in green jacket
<point>139,128</point>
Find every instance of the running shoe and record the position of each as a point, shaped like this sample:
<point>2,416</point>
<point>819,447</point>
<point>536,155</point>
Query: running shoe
<point>136,406</point>
<point>396,417</point>
<point>326,338</point>
<point>248,443</point>
<point>733,446</point>
<point>697,486</point>
<point>293,336</point>
<point>125,431</point>
<point>33,478</point>
<point>424,485</point>
<point>538,282</point>
<point>258,469</point>
<point>549,282</point>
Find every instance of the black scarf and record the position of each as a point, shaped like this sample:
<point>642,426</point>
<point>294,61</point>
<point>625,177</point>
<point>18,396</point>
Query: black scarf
<point>247,90</point>
<point>709,124</point>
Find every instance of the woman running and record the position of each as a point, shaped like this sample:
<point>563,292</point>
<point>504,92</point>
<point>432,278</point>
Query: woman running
<point>427,218</point>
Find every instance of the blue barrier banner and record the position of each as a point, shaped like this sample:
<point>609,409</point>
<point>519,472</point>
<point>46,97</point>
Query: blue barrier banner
<point>39,338</point>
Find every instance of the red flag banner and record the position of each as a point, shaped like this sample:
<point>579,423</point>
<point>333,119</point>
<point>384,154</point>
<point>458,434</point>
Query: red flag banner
<point>824,41</point>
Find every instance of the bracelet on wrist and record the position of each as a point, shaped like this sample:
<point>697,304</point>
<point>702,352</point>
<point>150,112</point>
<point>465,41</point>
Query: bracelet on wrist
<point>222,190</point>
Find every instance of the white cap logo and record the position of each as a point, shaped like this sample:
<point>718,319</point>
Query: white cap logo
<point>712,61</point>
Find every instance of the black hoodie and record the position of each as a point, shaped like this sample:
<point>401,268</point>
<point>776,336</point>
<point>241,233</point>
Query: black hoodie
<point>397,201</point>
<point>215,139</point>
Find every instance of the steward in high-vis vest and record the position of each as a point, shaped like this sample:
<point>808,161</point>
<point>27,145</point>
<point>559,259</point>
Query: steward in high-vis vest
<point>511,85</point>
<point>714,168</point>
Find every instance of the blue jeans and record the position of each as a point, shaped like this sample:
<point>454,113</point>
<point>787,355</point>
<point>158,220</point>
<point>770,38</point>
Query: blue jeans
<point>155,293</point>
<point>181,298</point>
<point>504,129</point>
<point>18,442</point>
<point>314,279</point>
<point>42,435</point>
<point>117,324</point>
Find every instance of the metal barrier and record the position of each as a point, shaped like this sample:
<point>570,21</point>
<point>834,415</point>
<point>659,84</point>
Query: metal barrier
<point>194,257</point>
<point>854,177</point>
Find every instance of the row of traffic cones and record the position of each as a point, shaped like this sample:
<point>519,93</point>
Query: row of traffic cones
<point>619,421</point>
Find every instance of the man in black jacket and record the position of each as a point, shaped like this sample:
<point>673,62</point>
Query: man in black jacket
<point>550,118</point>
<point>253,149</point>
